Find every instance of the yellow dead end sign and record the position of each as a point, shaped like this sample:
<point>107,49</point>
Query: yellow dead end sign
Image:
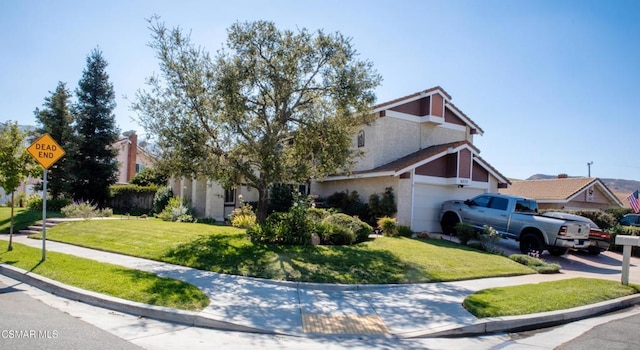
<point>46,151</point>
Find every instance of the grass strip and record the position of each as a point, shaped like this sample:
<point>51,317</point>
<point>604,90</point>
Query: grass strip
<point>22,218</point>
<point>544,296</point>
<point>113,280</point>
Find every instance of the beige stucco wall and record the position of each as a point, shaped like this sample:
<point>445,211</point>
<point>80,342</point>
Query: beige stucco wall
<point>388,139</point>
<point>364,186</point>
<point>122,147</point>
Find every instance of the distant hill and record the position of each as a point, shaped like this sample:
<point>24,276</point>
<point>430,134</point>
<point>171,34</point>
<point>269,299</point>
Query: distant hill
<point>618,186</point>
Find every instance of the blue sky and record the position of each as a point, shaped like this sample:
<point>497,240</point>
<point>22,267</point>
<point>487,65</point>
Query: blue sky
<point>554,84</point>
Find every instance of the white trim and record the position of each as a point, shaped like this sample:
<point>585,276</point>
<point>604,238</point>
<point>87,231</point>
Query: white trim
<point>357,176</point>
<point>422,94</point>
<point>452,126</point>
<point>415,118</point>
<point>450,181</point>
<point>605,190</point>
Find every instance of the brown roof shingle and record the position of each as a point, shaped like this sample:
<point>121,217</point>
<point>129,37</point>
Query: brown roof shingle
<point>548,189</point>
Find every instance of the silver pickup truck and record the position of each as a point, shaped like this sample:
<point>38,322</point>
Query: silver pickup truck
<point>516,218</point>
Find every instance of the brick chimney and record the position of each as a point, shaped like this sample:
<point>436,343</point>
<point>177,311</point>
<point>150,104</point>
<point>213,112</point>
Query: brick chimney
<point>132,155</point>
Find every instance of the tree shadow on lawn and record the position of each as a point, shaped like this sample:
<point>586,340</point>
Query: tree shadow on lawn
<point>235,254</point>
<point>166,291</point>
<point>24,219</point>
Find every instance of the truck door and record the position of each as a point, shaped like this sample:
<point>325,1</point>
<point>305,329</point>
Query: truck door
<point>474,213</point>
<point>496,214</point>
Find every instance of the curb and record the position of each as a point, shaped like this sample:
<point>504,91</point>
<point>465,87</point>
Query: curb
<point>126,306</point>
<point>529,322</point>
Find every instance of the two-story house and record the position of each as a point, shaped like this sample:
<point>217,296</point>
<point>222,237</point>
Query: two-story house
<point>420,145</point>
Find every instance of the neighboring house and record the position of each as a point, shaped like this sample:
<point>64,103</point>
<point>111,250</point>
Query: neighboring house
<point>421,146</point>
<point>575,193</point>
<point>132,158</point>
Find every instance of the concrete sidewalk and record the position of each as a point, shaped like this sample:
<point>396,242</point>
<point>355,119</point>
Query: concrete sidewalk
<point>410,310</point>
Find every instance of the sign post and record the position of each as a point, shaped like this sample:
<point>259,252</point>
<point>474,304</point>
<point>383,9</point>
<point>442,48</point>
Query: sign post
<point>46,151</point>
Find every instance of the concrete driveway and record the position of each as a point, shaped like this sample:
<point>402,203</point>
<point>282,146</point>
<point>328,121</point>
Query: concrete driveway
<point>606,265</point>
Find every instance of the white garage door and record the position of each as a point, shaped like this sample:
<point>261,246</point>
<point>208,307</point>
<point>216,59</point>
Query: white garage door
<point>428,200</point>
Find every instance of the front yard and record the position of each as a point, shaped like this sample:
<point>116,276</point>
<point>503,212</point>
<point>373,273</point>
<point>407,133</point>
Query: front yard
<point>227,250</point>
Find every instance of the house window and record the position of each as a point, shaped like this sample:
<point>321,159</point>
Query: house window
<point>139,167</point>
<point>230,196</point>
<point>361,138</point>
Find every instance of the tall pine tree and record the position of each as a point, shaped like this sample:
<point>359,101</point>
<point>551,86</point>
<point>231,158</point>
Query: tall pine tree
<point>95,166</point>
<point>56,119</point>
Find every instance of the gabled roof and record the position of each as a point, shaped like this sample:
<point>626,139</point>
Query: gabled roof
<point>423,156</point>
<point>436,89</point>
<point>557,190</point>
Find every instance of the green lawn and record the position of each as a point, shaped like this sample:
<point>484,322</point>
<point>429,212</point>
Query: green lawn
<point>23,218</point>
<point>105,278</point>
<point>228,250</point>
<point>545,296</point>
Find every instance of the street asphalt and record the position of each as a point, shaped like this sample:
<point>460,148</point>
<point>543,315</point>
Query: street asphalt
<point>308,309</point>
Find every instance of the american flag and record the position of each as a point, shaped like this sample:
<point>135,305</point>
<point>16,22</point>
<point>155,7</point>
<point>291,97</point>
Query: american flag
<point>633,201</point>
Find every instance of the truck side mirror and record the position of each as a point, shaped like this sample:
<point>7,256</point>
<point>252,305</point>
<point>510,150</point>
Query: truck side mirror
<point>469,202</point>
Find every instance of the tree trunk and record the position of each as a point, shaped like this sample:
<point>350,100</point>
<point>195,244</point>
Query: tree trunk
<point>263,205</point>
<point>11,225</point>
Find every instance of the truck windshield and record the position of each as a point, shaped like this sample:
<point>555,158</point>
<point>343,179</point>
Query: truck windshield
<point>526,206</point>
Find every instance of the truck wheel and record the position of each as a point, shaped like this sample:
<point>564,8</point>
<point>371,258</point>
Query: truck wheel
<point>530,242</point>
<point>448,223</point>
<point>557,251</point>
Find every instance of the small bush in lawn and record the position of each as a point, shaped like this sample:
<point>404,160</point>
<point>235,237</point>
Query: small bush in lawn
<point>292,228</point>
<point>361,230</point>
<point>489,239</point>
<point>80,210</point>
<point>177,210</point>
<point>388,226</point>
<point>465,232</point>
<point>243,217</point>
<point>317,215</point>
<point>537,264</point>
<point>335,235</point>
<point>105,212</point>
<point>404,231</point>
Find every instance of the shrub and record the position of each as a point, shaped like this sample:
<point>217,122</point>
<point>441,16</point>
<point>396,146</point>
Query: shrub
<point>618,212</point>
<point>80,210</point>
<point>335,235</point>
<point>161,198</point>
<point>34,202</point>
<point>404,231</point>
<point>317,215</point>
<point>243,217</point>
<point>465,232</point>
<point>361,230</point>
<point>624,230</point>
<point>280,198</point>
<point>604,220</point>
<point>385,206</point>
<point>388,226</point>
<point>349,203</point>
<point>177,210</point>
<point>291,228</point>
<point>489,239</point>
<point>150,176</point>
<point>105,212</point>
<point>537,264</point>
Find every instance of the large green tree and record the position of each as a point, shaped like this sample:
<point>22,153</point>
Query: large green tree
<point>56,119</point>
<point>95,163</point>
<point>273,106</point>
<point>17,163</point>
